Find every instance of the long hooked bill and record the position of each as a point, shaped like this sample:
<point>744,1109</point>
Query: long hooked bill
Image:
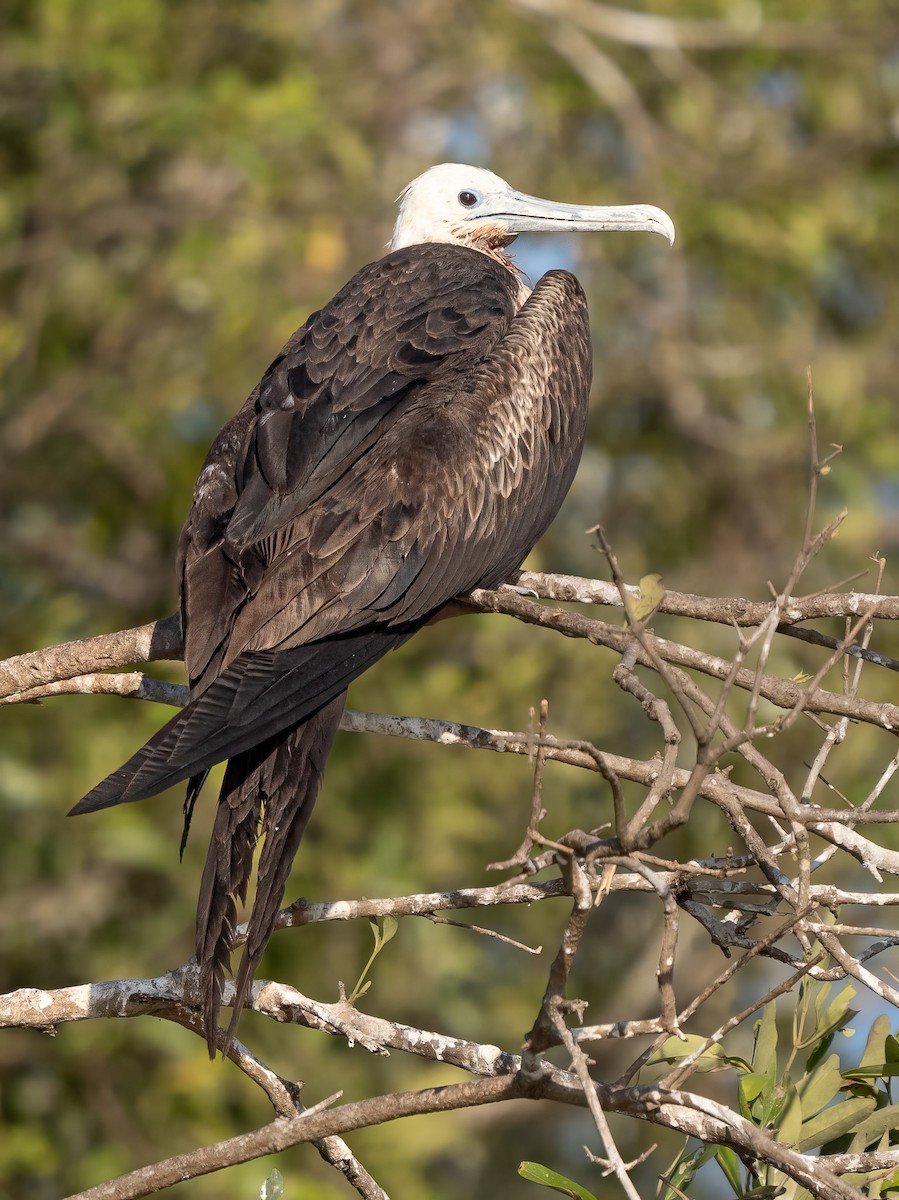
<point>529,214</point>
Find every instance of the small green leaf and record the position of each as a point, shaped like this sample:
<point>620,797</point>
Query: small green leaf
<point>750,1088</point>
<point>730,1165</point>
<point>382,929</point>
<point>273,1188</point>
<point>831,1018</point>
<point>875,1046</point>
<point>833,1122</point>
<point>651,595</point>
<point>764,1054</point>
<point>535,1173</point>
<point>674,1049</point>
<point>738,1064</point>
<point>680,1175</point>
<point>774,1102</point>
<point>884,1070</point>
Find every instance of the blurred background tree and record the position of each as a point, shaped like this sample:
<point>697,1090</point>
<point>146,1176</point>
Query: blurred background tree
<point>182,184</point>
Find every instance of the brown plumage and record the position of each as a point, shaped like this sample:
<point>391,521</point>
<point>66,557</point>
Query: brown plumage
<point>411,442</point>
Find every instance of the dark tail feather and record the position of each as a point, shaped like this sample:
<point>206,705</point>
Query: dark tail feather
<point>277,781</point>
<point>229,864</point>
<point>194,787</point>
<point>261,694</point>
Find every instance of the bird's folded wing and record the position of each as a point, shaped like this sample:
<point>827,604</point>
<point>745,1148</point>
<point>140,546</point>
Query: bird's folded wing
<point>297,503</point>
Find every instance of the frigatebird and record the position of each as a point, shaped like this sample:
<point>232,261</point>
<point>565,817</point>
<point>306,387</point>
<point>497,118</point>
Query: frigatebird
<point>410,443</point>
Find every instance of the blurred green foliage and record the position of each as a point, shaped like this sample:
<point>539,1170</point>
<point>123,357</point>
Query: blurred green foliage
<point>182,183</point>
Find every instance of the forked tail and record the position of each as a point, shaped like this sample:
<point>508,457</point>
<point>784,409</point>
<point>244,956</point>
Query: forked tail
<point>274,785</point>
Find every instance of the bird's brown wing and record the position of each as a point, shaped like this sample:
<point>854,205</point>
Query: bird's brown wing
<point>278,490</point>
<point>389,463</point>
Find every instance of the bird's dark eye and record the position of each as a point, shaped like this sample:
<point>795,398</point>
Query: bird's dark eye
<point>468,199</point>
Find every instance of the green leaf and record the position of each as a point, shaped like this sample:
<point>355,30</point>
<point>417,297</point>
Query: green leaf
<point>883,1120</point>
<point>681,1174</point>
<point>389,926</point>
<point>790,1122</point>
<point>383,929</point>
<point>764,1054</point>
<point>536,1173</point>
<point>838,1013</point>
<point>818,1052</point>
<point>821,994</point>
<point>750,1088</point>
<point>834,1122</point>
<point>859,1179</point>
<point>730,1165</point>
<point>888,1186</point>
<point>273,1188</point>
<point>771,1103</point>
<point>819,1087</point>
<point>674,1049</point>
<point>884,1070</point>
<point>651,595</point>
<point>738,1064</point>
<point>875,1046</point>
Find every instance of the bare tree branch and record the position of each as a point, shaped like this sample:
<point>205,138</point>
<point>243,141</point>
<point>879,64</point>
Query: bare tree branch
<point>311,1126</point>
<point>161,640</point>
<point>726,897</point>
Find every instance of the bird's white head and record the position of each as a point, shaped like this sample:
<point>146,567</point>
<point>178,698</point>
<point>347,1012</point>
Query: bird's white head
<point>470,206</point>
